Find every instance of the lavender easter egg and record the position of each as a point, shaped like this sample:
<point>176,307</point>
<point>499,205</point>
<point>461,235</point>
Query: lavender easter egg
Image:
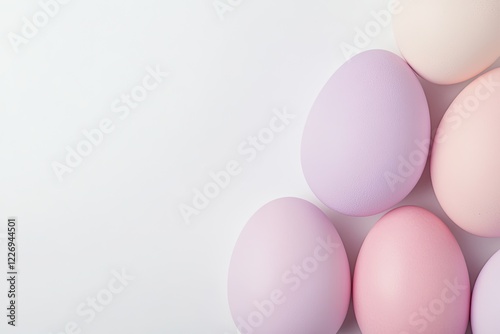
<point>486,298</point>
<point>365,142</point>
<point>289,272</point>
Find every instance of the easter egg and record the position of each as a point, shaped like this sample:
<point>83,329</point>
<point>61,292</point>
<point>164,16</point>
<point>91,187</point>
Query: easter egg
<point>366,140</point>
<point>411,277</point>
<point>465,161</point>
<point>289,272</point>
<point>448,41</point>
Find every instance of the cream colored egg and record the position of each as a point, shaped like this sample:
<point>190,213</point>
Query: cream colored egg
<point>448,41</point>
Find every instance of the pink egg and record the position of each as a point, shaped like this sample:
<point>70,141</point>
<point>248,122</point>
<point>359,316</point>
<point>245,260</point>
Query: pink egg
<point>411,277</point>
<point>365,143</point>
<point>289,272</point>
<point>486,298</point>
<point>465,162</point>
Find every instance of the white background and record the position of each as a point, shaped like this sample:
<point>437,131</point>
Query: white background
<point>119,209</point>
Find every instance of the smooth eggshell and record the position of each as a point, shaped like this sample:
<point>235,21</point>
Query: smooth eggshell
<point>465,162</point>
<point>404,275</point>
<point>448,41</point>
<point>366,140</point>
<point>486,298</point>
<point>289,272</point>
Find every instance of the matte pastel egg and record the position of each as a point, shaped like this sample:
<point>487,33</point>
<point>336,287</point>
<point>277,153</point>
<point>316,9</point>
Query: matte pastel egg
<point>465,162</point>
<point>289,272</point>
<point>366,139</point>
<point>486,298</point>
<point>411,277</point>
<point>448,41</point>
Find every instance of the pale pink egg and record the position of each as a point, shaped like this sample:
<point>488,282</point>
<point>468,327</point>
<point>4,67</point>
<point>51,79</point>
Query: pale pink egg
<point>465,161</point>
<point>289,272</point>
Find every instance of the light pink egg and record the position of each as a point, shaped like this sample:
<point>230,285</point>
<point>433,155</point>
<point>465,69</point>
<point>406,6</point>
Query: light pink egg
<point>289,272</point>
<point>465,162</point>
<point>411,277</point>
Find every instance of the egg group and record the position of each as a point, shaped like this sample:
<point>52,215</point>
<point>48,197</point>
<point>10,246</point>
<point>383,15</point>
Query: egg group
<point>364,148</point>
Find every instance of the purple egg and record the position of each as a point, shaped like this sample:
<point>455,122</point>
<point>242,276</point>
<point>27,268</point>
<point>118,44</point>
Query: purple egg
<point>366,141</point>
<point>486,298</point>
<point>289,272</point>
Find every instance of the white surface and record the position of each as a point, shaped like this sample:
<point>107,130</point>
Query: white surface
<point>119,208</point>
